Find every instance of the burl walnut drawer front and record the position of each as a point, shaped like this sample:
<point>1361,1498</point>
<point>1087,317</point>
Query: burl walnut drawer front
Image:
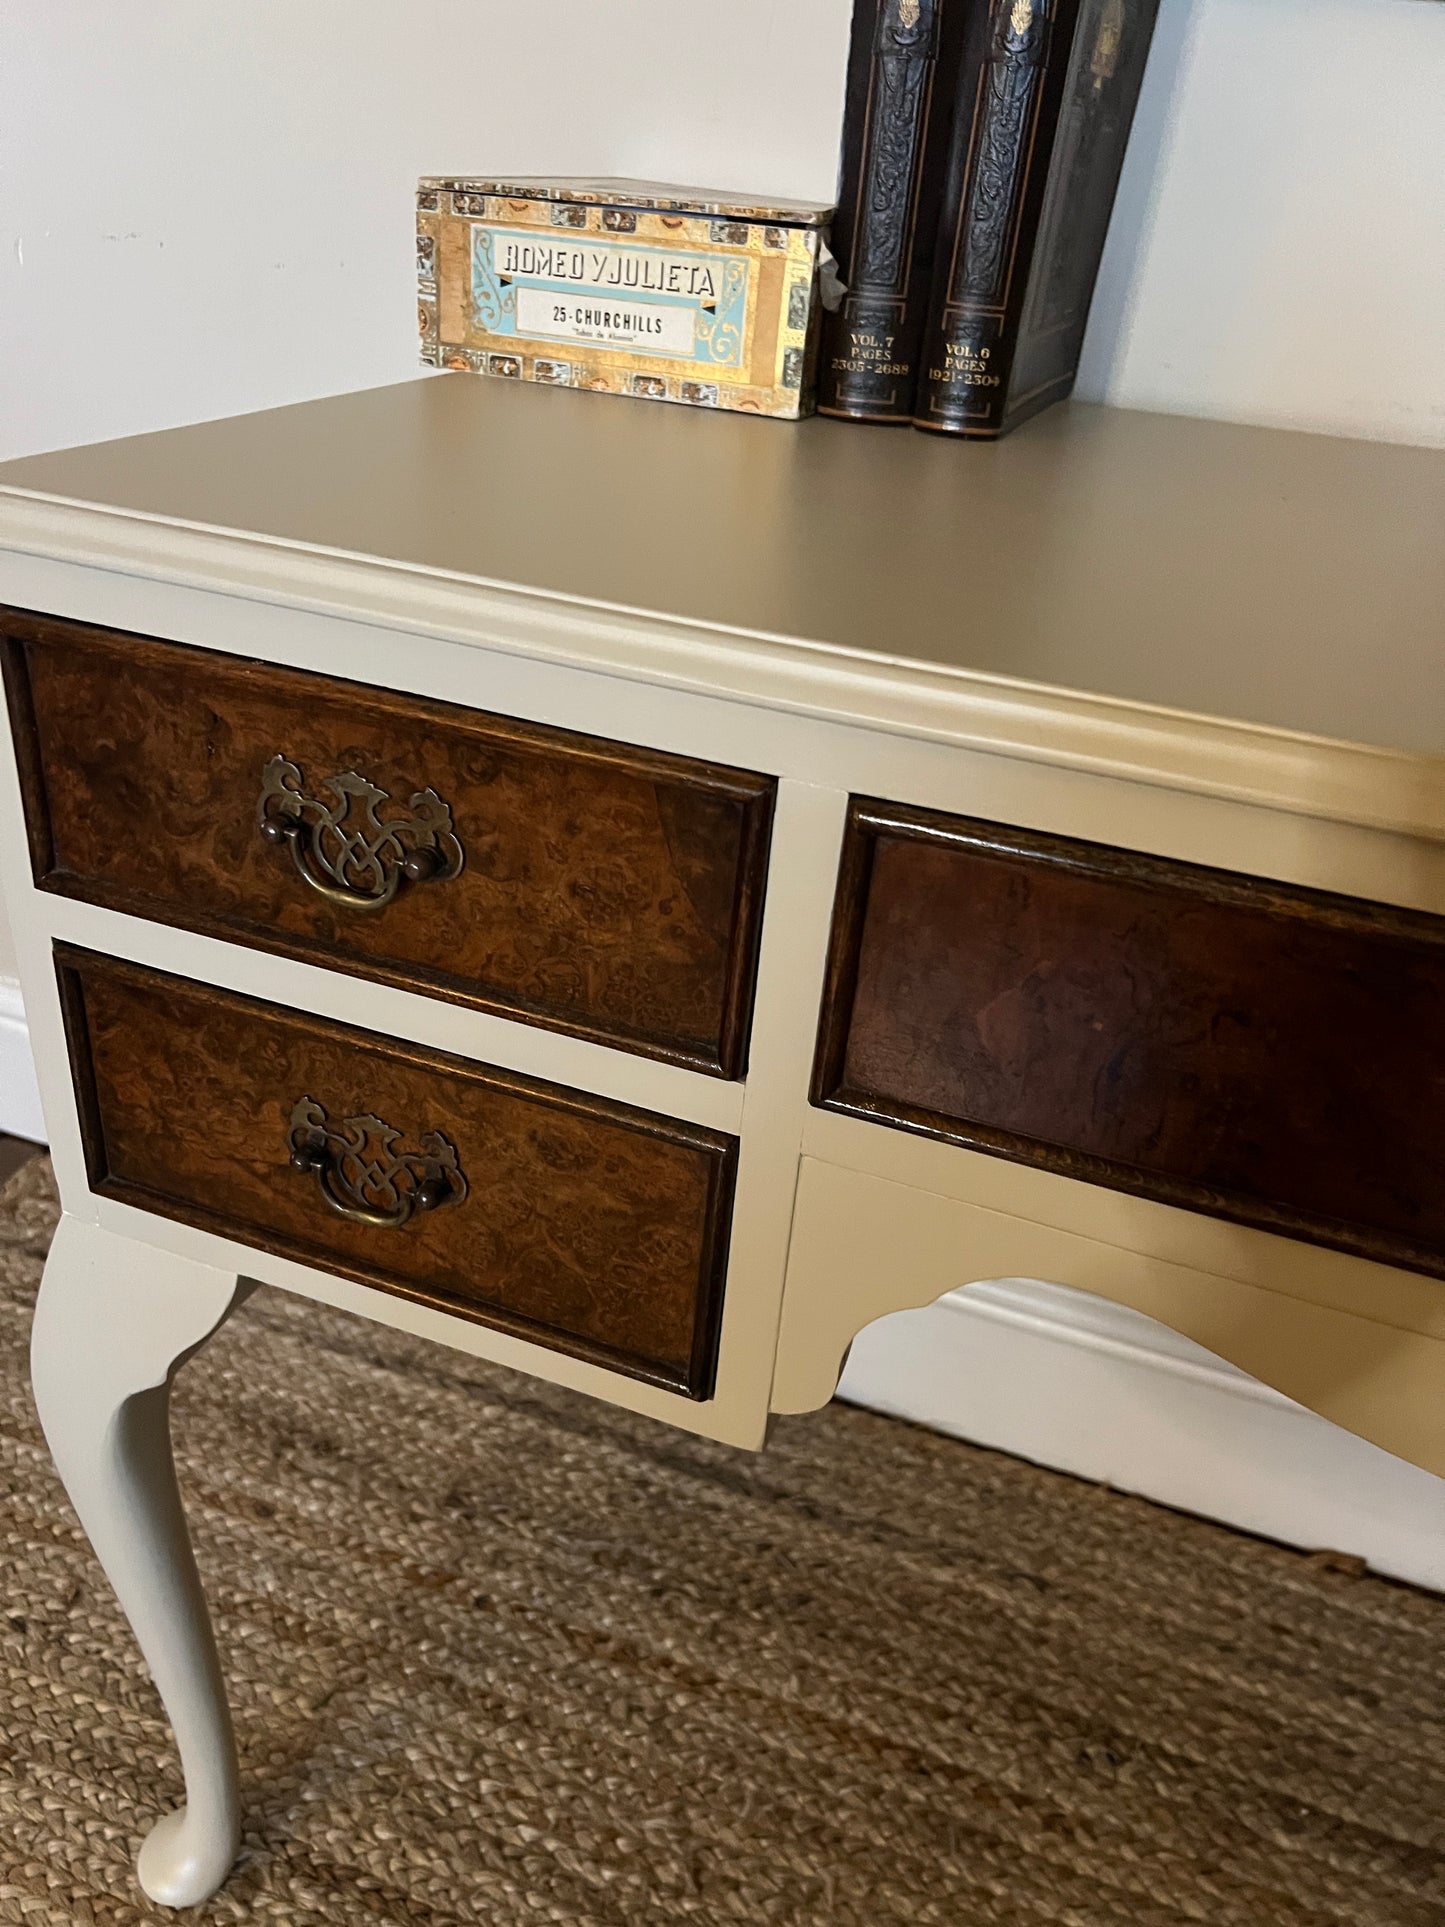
<point>610,892</point>
<point>1263,1053</point>
<point>568,1220</point>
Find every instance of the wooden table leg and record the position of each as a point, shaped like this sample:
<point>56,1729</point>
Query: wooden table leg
<point>114,1323</point>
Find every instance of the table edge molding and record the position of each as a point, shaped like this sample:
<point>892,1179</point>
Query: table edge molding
<point>1352,783</point>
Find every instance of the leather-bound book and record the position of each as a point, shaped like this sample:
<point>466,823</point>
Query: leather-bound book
<point>1046,94</point>
<point>902,63</point>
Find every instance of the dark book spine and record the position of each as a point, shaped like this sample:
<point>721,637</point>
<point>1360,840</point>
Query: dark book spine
<point>1046,96</point>
<point>894,142</point>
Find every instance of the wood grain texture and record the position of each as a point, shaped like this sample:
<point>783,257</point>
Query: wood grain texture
<point>1263,1053</point>
<point>609,892</point>
<point>588,1226</point>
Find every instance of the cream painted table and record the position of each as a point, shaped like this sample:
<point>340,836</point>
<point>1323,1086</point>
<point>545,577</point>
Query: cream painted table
<point>637,895</point>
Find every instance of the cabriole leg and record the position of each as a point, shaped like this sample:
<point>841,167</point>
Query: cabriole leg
<point>114,1323</point>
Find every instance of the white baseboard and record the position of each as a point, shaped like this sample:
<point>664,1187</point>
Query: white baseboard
<point>19,1092</point>
<point>1068,1380</point>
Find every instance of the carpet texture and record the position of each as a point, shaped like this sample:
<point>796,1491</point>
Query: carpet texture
<point>501,1656</point>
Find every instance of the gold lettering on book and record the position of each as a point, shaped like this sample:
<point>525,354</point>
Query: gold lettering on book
<point>1106,47</point>
<point>908,12</point>
<point>1022,17</point>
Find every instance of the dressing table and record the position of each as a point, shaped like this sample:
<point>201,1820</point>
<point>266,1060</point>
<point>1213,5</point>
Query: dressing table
<point>638,894</point>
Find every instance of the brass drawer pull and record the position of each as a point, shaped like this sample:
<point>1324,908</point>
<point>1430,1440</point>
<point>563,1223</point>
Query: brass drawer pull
<point>361,1173</point>
<point>343,850</point>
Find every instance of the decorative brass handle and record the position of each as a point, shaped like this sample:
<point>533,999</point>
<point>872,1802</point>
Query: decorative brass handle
<point>361,1173</point>
<point>343,850</point>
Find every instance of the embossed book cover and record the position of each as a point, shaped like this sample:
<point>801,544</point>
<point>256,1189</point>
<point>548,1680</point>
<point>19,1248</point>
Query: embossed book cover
<point>1045,98</point>
<point>902,63</point>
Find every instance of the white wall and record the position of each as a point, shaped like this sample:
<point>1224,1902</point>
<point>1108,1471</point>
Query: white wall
<point>214,204</point>
<point>207,209</point>
<point>1278,248</point>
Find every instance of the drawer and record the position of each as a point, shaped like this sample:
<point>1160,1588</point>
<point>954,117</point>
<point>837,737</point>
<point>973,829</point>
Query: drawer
<point>609,892</point>
<point>577,1223</point>
<point>1259,1052</point>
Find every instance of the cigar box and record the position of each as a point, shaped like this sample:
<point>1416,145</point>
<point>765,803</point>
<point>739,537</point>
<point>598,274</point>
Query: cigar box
<point>626,287</point>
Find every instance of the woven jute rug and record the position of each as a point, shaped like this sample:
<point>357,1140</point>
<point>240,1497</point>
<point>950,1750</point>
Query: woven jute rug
<point>499,1655</point>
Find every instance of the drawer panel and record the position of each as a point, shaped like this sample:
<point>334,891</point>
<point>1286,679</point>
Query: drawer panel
<point>610,892</point>
<point>1263,1053</point>
<point>566,1219</point>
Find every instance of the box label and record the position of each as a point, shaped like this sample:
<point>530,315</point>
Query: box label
<point>642,300</point>
<point>641,327</point>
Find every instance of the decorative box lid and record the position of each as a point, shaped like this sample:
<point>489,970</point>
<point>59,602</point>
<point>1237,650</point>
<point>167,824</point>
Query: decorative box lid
<point>662,195</point>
